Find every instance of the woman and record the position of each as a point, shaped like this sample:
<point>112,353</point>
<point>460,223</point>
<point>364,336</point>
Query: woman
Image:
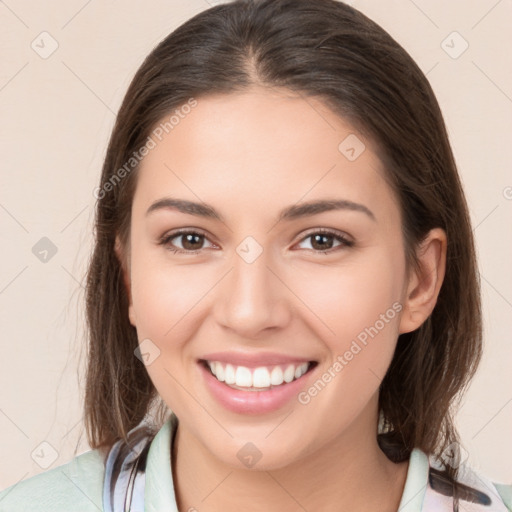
<point>284,260</point>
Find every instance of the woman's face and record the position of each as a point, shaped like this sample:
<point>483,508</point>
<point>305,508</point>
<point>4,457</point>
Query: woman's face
<point>258,292</point>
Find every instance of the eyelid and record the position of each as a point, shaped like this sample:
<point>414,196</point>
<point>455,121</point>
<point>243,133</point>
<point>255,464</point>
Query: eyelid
<point>346,241</point>
<point>168,236</point>
<point>327,231</point>
<point>182,231</point>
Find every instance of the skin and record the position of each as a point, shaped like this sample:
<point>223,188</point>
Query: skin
<point>250,155</point>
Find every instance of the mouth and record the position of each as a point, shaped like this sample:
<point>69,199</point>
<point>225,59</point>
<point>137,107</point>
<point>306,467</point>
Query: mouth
<point>257,379</point>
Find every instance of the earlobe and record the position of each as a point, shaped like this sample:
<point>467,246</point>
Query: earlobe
<point>118,248</point>
<point>424,286</point>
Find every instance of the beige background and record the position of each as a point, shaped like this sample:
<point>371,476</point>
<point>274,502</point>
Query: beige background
<point>56,116</point>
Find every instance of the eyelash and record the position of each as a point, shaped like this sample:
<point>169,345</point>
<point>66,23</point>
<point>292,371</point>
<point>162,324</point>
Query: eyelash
<point>166,239</point>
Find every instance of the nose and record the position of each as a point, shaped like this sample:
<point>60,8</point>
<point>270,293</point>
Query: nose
<point>252,299</point>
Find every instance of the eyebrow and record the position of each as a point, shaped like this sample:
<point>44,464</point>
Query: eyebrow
<point>291,212</point>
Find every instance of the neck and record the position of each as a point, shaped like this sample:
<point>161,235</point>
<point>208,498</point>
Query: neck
<point>349,473</point>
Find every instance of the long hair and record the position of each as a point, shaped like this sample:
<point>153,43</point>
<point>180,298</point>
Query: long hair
<point>327,50</point>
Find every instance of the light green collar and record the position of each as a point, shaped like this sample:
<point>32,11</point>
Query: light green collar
<point>415,483</point>
<point>159,487</point>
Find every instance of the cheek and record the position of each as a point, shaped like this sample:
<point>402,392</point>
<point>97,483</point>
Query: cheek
<point>356,310</point>
<point>167,300</point>
<point>347,298</point>
<point>164,297</point>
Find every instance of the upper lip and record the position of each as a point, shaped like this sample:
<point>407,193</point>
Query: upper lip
<point>254,360</point>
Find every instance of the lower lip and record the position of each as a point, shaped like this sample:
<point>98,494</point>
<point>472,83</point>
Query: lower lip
<point>252,402</point>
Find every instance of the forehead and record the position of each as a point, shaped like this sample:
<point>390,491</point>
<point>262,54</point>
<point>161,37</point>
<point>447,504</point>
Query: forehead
<point>259,150</point>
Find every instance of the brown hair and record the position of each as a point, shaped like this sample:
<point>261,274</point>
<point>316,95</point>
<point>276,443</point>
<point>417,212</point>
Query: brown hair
<point>328,50</point>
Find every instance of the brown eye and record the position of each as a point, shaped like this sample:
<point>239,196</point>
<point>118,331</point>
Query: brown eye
<point>191,241</point>
<point>184,241</point>
<point>324,241</point>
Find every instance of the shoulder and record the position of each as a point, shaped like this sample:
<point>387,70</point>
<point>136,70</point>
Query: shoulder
<point>76,485</point>
<point>505,492</point>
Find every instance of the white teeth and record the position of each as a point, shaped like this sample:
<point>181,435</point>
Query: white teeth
<point>219,371</point>
<point>229,374</point>
<point>261,377</point>
<point>289,373</point>
<point>276,377</point>
<point>243,376</point>
<point>301,370</point>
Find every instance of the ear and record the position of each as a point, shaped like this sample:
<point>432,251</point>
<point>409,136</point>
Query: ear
<point>423,286</point>
<point>125,267</point>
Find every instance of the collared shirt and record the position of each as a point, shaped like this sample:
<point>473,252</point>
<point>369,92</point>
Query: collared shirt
<point>139,478</point>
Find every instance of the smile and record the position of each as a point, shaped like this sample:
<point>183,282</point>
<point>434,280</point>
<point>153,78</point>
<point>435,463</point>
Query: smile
<point>257,379</point>
<point>255,384</point>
